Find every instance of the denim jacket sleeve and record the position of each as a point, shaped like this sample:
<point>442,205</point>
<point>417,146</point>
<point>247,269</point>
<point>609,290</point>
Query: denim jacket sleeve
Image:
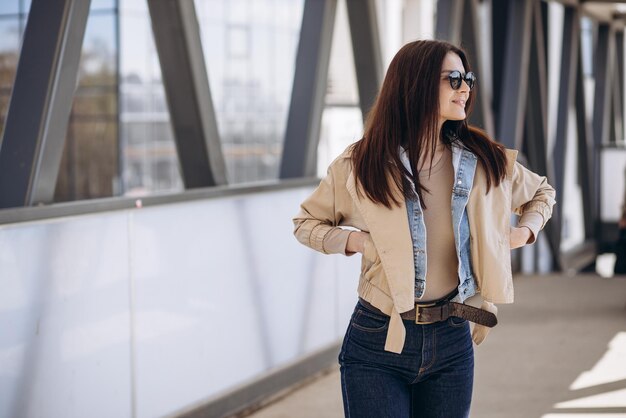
<point>531,193</point>
<point>316,224</point>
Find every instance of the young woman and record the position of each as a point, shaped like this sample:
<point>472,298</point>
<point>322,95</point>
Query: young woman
<point>431,200</point>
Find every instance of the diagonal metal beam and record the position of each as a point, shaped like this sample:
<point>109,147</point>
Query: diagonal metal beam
<point>567,80</point>
<point>603,68</point>
<point>515,84</point>
<point>366,48</point>
<point>618,89</point>
<point>482,114</point>
<point>177,39</point>
<point>536,125</point>
<point>449,20</point>
<point>37,120</point>
<point>586,155</point>
<point>299,157</point>
<point>499,17</point>
<point>567,86</point>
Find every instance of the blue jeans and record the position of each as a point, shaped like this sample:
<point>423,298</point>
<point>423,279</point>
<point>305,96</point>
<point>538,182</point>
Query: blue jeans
<point>431,378</point>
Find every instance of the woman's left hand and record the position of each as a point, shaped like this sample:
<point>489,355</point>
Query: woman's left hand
<point>519,237</point>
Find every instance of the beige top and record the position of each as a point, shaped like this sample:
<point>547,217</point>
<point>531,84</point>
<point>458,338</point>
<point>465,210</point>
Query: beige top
<point>441,259</point>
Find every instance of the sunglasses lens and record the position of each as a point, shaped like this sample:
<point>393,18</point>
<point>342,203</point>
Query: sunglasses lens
<point>470,79</point>
<point>455,80</point>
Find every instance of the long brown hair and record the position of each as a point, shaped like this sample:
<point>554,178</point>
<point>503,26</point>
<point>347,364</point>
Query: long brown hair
<point>406,114</point>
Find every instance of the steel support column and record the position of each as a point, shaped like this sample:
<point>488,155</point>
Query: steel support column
<point>586,155</point>
<point>617,86</point>
<point>449,20</point>
<point>536,125</point>
<point>299,157</point>
<point>603,68</point>
<point>499,17</point>
<point>366,49</point>
<point>567,80</point>
<point>567,86</point>
<point>515,86</point>
<point>482,114</point>
<point>177,39</point>
<point>38,115</point>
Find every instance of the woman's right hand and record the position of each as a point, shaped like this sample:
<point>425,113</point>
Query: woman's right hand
<point>356,241</point>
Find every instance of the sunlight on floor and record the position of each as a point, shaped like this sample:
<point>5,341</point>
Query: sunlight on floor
<point>610,368</point>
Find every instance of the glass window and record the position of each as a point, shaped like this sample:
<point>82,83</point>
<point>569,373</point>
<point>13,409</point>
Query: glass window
<point>342,123</point>
<point>9,35</point>
<point>9,7</point>
<point>90,164</point>
<point>98,5</point>
<point>147,144</point>
<point>9,56</point>
<point>586,45</point>
<point>98,64</point>
<point>250,49</point>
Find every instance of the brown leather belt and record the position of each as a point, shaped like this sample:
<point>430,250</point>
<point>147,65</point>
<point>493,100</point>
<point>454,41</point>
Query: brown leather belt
<point>440,311</point>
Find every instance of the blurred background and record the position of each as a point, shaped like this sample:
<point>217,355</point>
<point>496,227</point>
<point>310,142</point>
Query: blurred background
<point>153,153</point>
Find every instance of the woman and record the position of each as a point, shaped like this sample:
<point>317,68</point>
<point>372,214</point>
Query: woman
<point>431,199</point>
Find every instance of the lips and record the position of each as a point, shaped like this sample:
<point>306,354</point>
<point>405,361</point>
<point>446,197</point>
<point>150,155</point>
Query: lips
<point>460,102</point>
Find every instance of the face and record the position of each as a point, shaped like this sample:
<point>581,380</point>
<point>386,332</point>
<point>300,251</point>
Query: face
<point>452,102</point>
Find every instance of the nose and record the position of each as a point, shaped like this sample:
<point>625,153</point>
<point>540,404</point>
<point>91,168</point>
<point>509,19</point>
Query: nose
<point>464,86</point>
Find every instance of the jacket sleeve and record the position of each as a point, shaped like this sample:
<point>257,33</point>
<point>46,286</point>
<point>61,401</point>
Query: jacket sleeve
<point>531,196</point>
<point>315,225</point>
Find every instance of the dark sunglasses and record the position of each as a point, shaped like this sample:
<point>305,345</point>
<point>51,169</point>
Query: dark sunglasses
<point>456,78</point>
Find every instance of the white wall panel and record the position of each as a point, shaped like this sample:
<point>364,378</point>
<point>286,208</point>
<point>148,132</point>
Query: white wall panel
<point>64,344</point>
<point>613,183</point>
<point>145,312</point>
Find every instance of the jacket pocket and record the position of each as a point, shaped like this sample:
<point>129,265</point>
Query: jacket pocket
<point>369,251</point>
<point>372,266</point>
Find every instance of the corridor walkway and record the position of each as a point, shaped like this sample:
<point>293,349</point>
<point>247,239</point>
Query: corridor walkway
<point>558,352</point>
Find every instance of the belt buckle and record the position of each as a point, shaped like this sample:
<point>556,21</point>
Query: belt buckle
<point>417,313</point>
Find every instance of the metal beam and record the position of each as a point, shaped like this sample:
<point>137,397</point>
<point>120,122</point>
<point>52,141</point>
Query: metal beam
<point>309,89</point>
<point>603,67</point>
<point>482,114</point>
<point>514,88</point>
<point>567,80</point>
<point>567,84</point>
<point>366,49</point>
<point>586,155</point>
<point>449,20</point>
<point>536,127</point>
<point>38,115</point>
<point>177,39</point>
<point>618,88</point>
<point>499,16</point>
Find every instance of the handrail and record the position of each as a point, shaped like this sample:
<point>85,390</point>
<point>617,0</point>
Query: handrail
<point>84,207</point>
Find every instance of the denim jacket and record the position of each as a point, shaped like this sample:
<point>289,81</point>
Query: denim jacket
<point>464,163</point>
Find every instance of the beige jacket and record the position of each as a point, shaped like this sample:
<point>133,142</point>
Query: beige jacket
<point>387,266</point>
